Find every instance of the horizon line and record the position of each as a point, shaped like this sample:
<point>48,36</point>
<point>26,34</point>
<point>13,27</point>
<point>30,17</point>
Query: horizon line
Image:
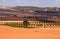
<point>32,6</point>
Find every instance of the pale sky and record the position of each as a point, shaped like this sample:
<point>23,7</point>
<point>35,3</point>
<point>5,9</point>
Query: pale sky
<point>38,3</point>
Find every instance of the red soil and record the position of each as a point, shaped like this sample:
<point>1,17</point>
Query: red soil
<point>7,32</point>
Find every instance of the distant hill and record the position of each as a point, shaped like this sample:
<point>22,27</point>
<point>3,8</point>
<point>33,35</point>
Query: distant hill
<point>46,14</point>
<point>55,9</point>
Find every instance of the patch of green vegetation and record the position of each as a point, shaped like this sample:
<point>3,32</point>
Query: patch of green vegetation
<point>18,25</point>
<point>33,25</point>
<point>29,27</point>
<point>13,24</point>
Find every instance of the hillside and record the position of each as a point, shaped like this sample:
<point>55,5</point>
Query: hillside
<point>53,9</point>
<point>31,13</point>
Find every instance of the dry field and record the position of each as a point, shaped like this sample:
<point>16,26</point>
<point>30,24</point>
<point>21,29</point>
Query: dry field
<point>7,32</point>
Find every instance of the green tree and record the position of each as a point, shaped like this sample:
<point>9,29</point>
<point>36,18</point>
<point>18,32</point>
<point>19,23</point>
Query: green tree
<point>25,23</point>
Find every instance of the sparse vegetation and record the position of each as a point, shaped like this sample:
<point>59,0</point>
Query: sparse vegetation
<point>36,8</point>
<point>13,24</point>
<point>32,25</point>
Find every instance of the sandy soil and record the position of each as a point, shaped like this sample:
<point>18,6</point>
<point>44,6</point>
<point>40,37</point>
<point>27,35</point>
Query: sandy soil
<point>7,32</point>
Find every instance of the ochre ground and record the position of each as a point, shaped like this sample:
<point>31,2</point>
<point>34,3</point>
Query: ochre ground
<point>7,32</point>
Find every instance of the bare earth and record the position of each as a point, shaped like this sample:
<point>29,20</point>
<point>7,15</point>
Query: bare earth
<point>7,32</point>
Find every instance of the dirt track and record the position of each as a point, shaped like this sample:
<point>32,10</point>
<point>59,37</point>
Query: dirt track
<point>25,33</point>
